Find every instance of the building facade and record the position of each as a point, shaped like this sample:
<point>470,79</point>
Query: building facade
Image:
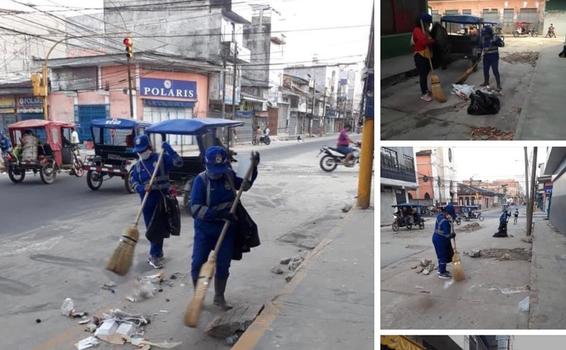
<point>504,12</point>
<point>398,177</point>
<point>17,103</point>
<point>92,87</point>
<point>473,195</point>
<point>556,168</point>
<point>443,342</point>
<point>436,168</point>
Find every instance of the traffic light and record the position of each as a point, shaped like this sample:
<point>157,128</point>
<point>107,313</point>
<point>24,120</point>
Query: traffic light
<point>129,47</point>
<point>37,84</point>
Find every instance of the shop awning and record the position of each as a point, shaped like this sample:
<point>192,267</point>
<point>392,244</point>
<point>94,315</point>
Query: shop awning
<point>398,342</point>
<point>168,103</point>
<point>251,98</point>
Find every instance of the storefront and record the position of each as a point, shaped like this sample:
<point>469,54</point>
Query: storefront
<point>165,99</point>
<point>7,111</point>
<point>29,107</point>
<point>399,342</point>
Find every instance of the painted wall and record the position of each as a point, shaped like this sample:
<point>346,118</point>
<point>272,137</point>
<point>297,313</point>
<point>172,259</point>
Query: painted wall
<point>424,167</point>
<point>61,106</point>
<point>387,199</point>
<point>558,205</point>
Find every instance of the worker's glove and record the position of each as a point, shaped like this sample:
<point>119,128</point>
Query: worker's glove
<point>227,215</point>
<point>167,147</point>
<point>255,158</point>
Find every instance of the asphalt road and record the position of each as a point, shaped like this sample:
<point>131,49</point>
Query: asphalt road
<point>30,204</point>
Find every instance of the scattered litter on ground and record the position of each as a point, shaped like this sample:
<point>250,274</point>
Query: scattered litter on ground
<point>162,345</point>
<point>474,226</point>
<point>277,270</point>
<point>524,305</point>
<point>68,309</point>
<point>87,343</point>
<point>37,320</point>
<point>295,263</point>
<point>346,208</point>
<point>474,253</point>
<point>448,284</point>
<point>111,286</point>
<point>285,261</point>
<point>509,291</point>
<point>233,323</point>
<point>527,239</point>
<point>526,57</point>
<point>491,133</point>
<point>425,267</point>
<point>84,321</point>
<point>462,90</point>
<point>146,288</point>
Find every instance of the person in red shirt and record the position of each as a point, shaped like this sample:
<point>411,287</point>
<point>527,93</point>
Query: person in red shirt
<point>343,145</point>
<point>421,42</point>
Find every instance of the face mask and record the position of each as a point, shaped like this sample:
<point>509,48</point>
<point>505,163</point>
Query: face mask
<point>213,177</point>
<point>145,155</point>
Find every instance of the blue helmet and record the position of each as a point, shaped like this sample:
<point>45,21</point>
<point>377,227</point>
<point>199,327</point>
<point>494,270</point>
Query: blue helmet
<point>142,143</point>
<point>487,31</point>
<point>216,160</point>
<point>426,18</point>
<point>450,210</point>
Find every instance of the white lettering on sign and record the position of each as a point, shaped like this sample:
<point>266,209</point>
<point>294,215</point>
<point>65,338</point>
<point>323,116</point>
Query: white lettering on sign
<point>168,89</point>
<point>146,90</point>
<point>113,122</point>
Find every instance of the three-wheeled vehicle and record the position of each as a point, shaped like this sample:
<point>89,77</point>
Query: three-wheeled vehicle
<point>408,215</point>
<point>524,29</point>
<point>113,151</point>
<point>471,212</point>
<point>207,133</point>
<point>44,147</point>
<point>464,37</point>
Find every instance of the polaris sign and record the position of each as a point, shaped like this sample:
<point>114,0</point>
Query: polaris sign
<point>168,88</point>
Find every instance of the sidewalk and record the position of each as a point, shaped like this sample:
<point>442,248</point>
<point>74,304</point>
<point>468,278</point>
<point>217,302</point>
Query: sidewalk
<point>548,278</point>
<point>542,115</point>
<point>329,303</point>
<point>397,68</point>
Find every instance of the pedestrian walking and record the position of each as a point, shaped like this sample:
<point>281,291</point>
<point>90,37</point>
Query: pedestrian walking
<point>141,175</point>
<point>421,41</point>
<point>490,45</point>
<point>212,195</point>
<point>441,238</point>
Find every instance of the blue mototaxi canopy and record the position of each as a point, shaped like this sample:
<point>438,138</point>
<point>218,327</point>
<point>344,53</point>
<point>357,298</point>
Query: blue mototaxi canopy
<point>463,19</point>
<point>196,126</point>
<point>409,206</point>
<point>118,123</point>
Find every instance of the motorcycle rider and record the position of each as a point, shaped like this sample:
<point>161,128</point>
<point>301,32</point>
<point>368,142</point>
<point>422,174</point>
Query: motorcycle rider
<point>551,33</point>
<point>441,238</point>
<point>343,145</point>
<point>212,195</point>
<point>140,177</point>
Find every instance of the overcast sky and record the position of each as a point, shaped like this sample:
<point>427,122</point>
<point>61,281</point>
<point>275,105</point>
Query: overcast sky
<point>340,45</point>
<point>490,163</point>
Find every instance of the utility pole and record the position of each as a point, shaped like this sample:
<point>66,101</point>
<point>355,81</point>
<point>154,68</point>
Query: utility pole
<point>313,103</point>
<point>322,126</point>
<point>366,154</point>
<point>234,77</point>
<point>439,189</point>
<point>224,85</point>
<point>526,175</point>
<point>532,193</point>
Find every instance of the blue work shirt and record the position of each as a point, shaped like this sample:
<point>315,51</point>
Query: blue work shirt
<point>5,144</point>
<point>143,169</point>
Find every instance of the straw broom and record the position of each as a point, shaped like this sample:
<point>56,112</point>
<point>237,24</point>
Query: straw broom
<point>121,260</point>
<point>458,268</point>
<point>207,270</point>
<point>437,92</point>
<point>468,71</point>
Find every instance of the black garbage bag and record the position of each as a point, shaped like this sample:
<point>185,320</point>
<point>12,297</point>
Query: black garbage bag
<point>482,104</point>
<point>563,53</point>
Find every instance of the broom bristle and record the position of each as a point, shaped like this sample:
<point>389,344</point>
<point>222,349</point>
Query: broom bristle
<point>458,270</point>
<point>195,306</point>
<point>465,76</point>
<point>123,255</point>
<point>437,92</point>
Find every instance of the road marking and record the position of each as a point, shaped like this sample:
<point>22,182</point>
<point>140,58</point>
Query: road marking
<point>256,330</point>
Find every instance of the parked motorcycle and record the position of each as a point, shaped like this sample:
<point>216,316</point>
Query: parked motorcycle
<point>263,139</point>
<point>332,158</point>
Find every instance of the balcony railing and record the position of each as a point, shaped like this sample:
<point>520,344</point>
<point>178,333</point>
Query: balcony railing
<point>398,172</point>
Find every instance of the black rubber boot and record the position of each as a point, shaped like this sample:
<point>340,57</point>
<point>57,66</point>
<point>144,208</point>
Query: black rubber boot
<point>219,288</point>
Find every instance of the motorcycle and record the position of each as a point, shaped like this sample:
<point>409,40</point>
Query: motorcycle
<point>332,158</point>
<point>263,139</point>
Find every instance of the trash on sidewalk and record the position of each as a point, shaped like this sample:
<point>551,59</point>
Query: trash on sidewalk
<point>471,227</point>
<point>346,208</point>
<point>527,239</point>
<point>139,342</point>
<point>474,253</point>
<point>111,286</point>
<point>524,305</point>
<point>463,90</point>
<point>108,332</point>
<point>491,133</point>
<point>425,267</point>
<point>510,291</point>
<point>68,309</point>
<point>526,57</point>
<point>285,261</point>
<point>147,287</point>
<point>277,270</point>
<point>87,343</point>
<point>233,323</point>
<point>295,263</point>
<point>483,104</point>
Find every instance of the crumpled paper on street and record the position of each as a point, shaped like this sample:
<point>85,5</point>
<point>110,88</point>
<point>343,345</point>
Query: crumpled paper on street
<point>463,90</point>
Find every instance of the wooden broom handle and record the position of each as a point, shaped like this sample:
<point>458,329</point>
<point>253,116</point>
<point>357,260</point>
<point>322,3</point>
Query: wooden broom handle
<point>232,211</point>
<point>429,59</point>
<point>140,211</point>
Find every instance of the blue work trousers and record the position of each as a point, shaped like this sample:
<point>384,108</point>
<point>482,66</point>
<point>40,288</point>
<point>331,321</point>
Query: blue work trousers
<point>444,251</point>
<point>204,243</point>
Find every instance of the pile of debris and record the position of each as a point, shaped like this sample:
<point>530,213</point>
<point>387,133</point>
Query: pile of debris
<point>119,327</point>
<point>292,263</point>
<point>474,226</point>
<point>527,57</point>
<point>425,267</point>
<point>501,254</point>
<point>491,133</point>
